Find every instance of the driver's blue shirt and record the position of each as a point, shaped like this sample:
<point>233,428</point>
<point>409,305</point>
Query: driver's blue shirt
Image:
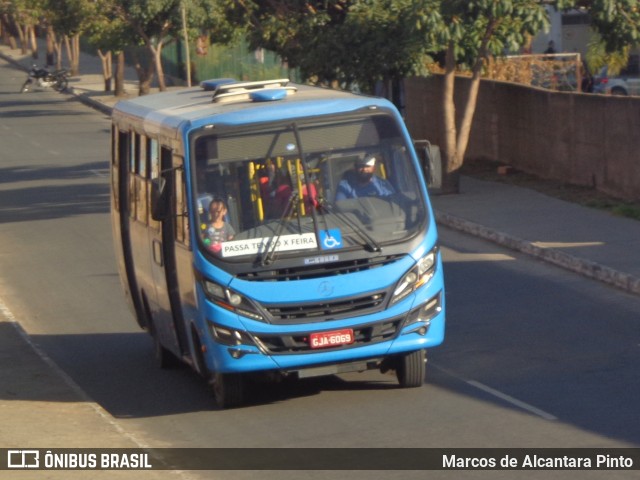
<point>351,188</point>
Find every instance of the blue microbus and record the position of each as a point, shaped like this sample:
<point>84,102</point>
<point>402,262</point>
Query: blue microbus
<point>271,228</point>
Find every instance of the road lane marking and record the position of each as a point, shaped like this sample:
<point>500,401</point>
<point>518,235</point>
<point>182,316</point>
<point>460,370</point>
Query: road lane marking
<point>99,173</point>
<point>567,244</point>
<point>512,400</point>
<point>496,393</point>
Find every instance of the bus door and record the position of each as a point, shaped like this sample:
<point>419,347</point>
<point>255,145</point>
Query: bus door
<point>167,317</point>
<point>121,204</point>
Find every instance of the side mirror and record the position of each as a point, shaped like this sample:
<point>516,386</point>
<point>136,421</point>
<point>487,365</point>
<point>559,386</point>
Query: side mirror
<point>159,199</point>
<point>431,161</point>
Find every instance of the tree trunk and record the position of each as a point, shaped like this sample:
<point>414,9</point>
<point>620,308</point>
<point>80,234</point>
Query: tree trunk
<point>75,66</point>
<point>157,58</point>
<point>58,46</point>
<point>33,43</point>
<point>145,76</point>
<point>8,32</point>
<point>51,47</point>
<point>22,33</point>
<point>107,68</point>
<point>73,53</point>
<point>457,141</point>
<point>119,91</point>
<point>452,163</point>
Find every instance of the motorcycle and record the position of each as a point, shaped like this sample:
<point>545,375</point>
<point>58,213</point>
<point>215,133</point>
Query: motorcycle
<point>42,77</point>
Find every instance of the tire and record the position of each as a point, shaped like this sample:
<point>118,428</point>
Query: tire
<point>228,389</point>
<point>198,360</point>
<point>618,91</point>
<point>411,369</point>
<point>61,84</point>
<point>163,357</point>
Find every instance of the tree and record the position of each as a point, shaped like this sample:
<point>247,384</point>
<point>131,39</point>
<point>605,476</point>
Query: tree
<point>109,35</point>
<point>616,21</point>
<point>468,33</point>
<point>342,43</point>
<point>360,42</point>
<point>22,16</point>
<point>474,30</point>
<point>356,42</point>
<point>68,19</point>
<point>152,22</point>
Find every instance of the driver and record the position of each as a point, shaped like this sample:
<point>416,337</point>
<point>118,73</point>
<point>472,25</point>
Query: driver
<point>363,182</point>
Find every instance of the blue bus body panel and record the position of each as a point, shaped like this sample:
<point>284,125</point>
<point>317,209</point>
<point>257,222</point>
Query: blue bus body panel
<point>173,112</point>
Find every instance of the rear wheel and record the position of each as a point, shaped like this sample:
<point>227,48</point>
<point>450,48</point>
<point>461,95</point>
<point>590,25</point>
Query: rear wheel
<point>618,91</point>
<point>411,369</point>
<point>228,389</point>
<point>162,356</point>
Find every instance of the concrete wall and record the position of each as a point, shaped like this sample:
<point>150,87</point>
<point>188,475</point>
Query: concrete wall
<point>584,139</point>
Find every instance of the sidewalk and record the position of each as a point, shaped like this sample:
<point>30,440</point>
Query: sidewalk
<point>587,241</point>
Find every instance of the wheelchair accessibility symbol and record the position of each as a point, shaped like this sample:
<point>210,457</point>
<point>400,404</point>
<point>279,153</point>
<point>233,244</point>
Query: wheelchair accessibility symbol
<point>330,239</point>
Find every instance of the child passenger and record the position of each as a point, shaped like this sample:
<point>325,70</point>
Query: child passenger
<point>218,230</point>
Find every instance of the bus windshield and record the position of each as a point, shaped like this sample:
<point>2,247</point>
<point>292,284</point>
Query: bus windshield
<point>331,183</point>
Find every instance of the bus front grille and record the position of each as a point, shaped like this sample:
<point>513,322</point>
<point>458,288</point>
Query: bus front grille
<point>323,311</point>
<point>299,343</point>
<point>317,268</point>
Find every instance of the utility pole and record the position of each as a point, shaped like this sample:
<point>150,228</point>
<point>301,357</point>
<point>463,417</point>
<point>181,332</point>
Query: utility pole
<point>186,43</point>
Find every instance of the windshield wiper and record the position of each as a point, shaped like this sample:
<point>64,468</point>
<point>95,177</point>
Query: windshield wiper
<point>370,243</point>
<point>289,208</point>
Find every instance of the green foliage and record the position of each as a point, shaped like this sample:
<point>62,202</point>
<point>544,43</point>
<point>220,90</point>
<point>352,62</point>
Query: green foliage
<point>105,31</point>
<point>69,17</point>
<point>598,57</point>
<point>617,22</point>
<point>361,41</point>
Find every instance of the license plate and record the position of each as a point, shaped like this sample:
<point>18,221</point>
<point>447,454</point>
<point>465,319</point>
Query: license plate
<point>331,339</point>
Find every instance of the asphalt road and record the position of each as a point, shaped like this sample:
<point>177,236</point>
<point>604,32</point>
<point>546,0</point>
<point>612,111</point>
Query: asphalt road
<point>534,356</point>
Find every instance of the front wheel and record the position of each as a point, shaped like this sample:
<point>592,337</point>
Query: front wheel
<point>228,389</point>
<point>411,369</point>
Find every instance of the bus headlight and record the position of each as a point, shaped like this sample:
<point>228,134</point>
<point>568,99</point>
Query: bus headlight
<point>420,274</point>
<point>230,300</point>
<point>421,316</point>
<point>229,336</point>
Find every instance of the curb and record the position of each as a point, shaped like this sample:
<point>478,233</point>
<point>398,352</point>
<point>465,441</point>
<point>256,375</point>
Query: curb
<point>99,106</point>
<point>582,266</point>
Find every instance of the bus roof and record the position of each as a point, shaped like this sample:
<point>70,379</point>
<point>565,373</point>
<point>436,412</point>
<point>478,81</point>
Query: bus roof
<point>229,102</point>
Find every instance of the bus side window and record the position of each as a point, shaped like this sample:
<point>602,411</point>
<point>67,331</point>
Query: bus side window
<point>141,178</point>
<point>153,155</point>
<point>182,217</point>
<point>131,177</point>
<point>120,139</point>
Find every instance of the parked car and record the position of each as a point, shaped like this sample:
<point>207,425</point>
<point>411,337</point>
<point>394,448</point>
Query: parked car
<point>627,82</point>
